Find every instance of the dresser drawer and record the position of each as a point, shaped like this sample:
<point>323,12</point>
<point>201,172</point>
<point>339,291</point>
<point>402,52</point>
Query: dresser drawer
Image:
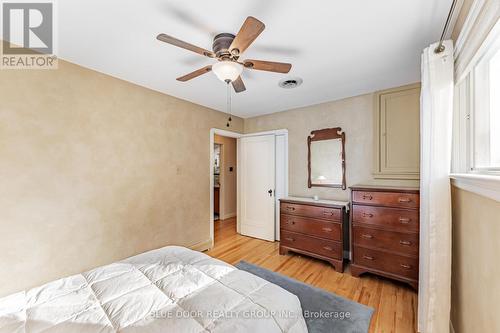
<point>406,267</point>
<point>327,248</point>
<point>388,199</point>
<point>313,227</point>
<point>386,240</point>
<point>333,214</point>
<point>390,218</point>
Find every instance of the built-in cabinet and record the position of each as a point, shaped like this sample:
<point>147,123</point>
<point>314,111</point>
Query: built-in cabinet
<point>397,133</point>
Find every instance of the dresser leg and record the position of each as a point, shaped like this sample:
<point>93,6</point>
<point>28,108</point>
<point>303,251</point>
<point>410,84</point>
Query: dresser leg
<point>283,251</point>
<point>338,265</point>
<point>356,271</point>
<point>414,285</point>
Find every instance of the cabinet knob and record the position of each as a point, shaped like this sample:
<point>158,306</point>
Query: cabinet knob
<point>367,215</point>
<point>328,212</point>
<point>367,197</point>
<point>290,208</point>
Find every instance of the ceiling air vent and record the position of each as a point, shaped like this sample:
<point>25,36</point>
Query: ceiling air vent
<point>290,83</point>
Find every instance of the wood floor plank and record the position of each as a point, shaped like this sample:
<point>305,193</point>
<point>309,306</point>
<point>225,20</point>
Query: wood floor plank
<point>395,303</point>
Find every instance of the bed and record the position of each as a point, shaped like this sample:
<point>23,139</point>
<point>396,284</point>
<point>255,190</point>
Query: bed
<point>172,289</point>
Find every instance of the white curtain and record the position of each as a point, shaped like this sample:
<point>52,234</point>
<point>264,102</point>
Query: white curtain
<point>435,206</point>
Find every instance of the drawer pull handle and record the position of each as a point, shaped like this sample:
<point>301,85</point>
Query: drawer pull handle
<point>404,200</point>
<point>292,222</point>
<point>290,208</point>
<point>327,229</point>
<point>405,266</point>
<point>368,258</point>
<point>367,215</point>
<point>328,212</point>
<point>328,248</point>
<point>404,220</point>
<point>290,239</point>
<point>406,243</point>
<point>367,197</point>
<point>367,236</point>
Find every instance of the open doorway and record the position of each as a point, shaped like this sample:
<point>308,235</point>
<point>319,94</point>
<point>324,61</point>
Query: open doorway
<point>225,179</point>
<point>253,193</point>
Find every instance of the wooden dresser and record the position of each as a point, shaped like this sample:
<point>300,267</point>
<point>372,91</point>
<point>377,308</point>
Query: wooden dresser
<point>385,232</point>
<point>313,228</point>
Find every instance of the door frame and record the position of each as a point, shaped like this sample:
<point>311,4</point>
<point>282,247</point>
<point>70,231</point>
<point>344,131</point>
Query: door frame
<point>236,135</point>
<point>221,180</point>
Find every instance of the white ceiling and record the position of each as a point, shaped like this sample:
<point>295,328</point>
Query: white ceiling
<point>339,48</point>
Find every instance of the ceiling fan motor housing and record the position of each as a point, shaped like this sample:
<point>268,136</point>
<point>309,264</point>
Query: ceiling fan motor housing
<point>221,45</point>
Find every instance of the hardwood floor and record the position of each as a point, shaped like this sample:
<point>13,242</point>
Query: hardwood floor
<point>395,303</point>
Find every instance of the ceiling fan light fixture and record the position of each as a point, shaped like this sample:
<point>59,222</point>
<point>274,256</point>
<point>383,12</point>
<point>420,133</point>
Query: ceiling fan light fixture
<point>227,70</point>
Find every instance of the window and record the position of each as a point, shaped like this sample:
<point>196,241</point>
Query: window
<point>486,113</point>
<point>495,111</point>
<point>477,129</point>
<point>476,120</point>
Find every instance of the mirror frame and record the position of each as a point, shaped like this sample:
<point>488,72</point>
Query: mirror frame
<point>321,135</point>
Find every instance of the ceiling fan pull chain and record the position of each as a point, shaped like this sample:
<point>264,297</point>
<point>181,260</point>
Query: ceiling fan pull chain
<point>228,103</point>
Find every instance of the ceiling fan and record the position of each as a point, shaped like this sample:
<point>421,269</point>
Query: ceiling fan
<point>227,49</point>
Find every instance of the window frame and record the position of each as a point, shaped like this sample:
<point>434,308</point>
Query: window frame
<point>465,111</point>
<point>481,29</point>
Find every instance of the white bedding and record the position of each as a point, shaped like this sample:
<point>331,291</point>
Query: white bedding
<point>172,289</point>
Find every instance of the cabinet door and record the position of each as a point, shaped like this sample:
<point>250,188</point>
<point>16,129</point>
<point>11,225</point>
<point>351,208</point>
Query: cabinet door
<point>397,133</point>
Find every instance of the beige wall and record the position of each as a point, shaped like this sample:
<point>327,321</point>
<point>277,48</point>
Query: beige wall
<point>354,115</point>
<point>475,270</point>
<point>228,178</point>
<point>95,169</point>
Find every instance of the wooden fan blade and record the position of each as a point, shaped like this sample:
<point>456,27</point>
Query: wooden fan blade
<point>238,85</point>
<point>269,66</point>
<point>250,30</point>
<point>179,43</point>
<point>196,73</point>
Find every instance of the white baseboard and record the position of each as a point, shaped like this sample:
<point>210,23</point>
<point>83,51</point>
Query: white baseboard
<point>227,216</point>
<point>202,246</point>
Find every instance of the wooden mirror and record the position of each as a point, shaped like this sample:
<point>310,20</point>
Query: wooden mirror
<point>326,158</point>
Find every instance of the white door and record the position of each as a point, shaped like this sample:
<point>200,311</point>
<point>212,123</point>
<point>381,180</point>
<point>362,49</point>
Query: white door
<point>257,182</point>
